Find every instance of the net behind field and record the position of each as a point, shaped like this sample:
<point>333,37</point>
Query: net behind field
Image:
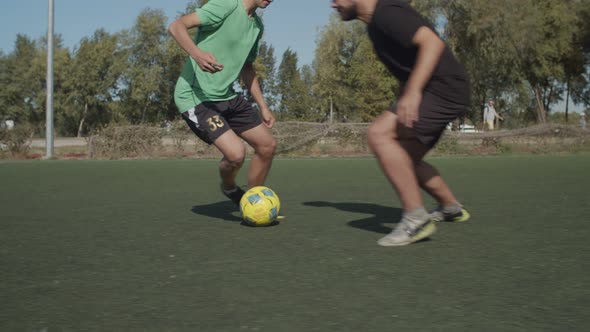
<point>308,139</point>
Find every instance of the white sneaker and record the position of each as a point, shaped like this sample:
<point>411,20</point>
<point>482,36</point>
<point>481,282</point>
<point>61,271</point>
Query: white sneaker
<point>409,230</point>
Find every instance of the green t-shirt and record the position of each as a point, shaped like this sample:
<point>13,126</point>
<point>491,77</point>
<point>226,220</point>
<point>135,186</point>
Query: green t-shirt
<point>232,36</point>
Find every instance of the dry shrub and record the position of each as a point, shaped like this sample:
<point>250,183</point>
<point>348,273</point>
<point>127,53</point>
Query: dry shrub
<point>17,141</point>
<point>115,142</point>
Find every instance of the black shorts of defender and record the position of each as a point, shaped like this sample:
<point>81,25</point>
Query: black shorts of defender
<point>435,113</point>
<point>210,120</point>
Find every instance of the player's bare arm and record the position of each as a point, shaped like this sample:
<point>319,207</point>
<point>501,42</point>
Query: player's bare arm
<point>250,79</point>
<point>179,31</point>
<point>430,48</point>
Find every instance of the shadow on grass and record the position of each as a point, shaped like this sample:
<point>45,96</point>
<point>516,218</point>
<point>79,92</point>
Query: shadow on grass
<point>224,210</point>
<point>383,220</point>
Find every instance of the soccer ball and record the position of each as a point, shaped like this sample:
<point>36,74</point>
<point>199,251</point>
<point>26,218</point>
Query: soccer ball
<point>260,206</point>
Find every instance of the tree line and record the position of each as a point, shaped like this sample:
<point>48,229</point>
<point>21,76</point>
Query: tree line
<point>528,55</point>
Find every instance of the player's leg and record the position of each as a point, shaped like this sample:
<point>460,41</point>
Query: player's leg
<point>394,160</point>
<point>432,182</point>
<point>206,121</point>
<point>436,113</point>
<point>397,156</point>
<point>247,123</point>
<point>264,145</point>
<point>449,208</point>
<point>234,153</point>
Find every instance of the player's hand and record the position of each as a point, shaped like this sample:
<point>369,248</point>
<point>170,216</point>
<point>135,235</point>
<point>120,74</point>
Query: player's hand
<point>207,62</point>
<point>267,118</point>
<point>407,108</point>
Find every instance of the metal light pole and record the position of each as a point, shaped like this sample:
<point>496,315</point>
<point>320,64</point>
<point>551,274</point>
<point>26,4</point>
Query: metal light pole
<point>49,113</point>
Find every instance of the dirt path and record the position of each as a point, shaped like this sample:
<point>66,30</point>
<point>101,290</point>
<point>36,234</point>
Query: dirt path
<point>60,142</point>
<point>75,141</point>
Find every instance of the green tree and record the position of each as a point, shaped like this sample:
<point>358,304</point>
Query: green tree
<point>24,84</point>
<point>291,88</point>
<point>16,82</point>
<point>309,100</point>
<point>145,93</point>
<point>472,28</point>
<point>504,48</point>
<point>97,66</point>
<point>577,63</point>
<point>346,67</point>
<point>369,74</point>
<point>333,54</point>
<point>4,79</point>
<point>265,66</point>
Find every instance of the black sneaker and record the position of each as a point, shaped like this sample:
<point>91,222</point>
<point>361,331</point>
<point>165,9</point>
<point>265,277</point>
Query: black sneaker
<point>235,196</point>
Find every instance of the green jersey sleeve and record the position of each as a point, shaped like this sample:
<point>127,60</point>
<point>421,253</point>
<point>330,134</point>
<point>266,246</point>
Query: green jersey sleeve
<point>214,12</point>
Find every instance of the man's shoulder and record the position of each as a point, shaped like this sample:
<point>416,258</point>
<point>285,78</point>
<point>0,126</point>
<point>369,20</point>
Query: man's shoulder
<point>395,11</point>
<point>233,4</point>
<point>385,6</point>
<point>395,3</point>
<point>214,12</point>
<point>225,5</point>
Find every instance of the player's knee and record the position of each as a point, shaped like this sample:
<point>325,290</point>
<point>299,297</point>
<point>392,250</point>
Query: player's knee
<point>267,150</point>
<point>235,159</point>
<point>377,134</point>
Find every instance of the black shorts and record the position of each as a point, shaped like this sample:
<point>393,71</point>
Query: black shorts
<point>210,120</point>
<point>435,114</point>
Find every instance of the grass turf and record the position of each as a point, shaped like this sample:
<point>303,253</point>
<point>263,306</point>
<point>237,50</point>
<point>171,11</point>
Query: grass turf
<point>153,246</point>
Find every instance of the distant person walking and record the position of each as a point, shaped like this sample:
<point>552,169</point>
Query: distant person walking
<point>583,121</point>
<point>490,115</point>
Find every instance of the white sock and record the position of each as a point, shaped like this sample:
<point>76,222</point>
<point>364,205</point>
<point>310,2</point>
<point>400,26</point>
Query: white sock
<point>418,213</point>
<point>453,208</point>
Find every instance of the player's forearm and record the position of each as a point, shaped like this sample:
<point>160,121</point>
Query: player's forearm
<point>256,93</point>
<point>180,33</point>
<point>430,49</point>
<point>251,81</point>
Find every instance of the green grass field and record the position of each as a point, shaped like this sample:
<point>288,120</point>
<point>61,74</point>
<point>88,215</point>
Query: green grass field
<point>153,246</point>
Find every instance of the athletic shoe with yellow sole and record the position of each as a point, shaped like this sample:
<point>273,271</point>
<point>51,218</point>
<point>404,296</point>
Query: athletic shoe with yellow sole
<point>440,214</point>
<point>409,230</point>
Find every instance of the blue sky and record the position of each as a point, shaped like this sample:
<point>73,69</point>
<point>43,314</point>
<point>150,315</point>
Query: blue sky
<point>289,23</point>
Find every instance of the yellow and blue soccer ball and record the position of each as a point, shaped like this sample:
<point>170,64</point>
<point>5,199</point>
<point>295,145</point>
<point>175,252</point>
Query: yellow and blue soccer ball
<point>260,206</point>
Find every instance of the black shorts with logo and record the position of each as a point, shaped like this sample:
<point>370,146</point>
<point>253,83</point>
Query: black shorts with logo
<point>435,114</point>
<point>210,119</point>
